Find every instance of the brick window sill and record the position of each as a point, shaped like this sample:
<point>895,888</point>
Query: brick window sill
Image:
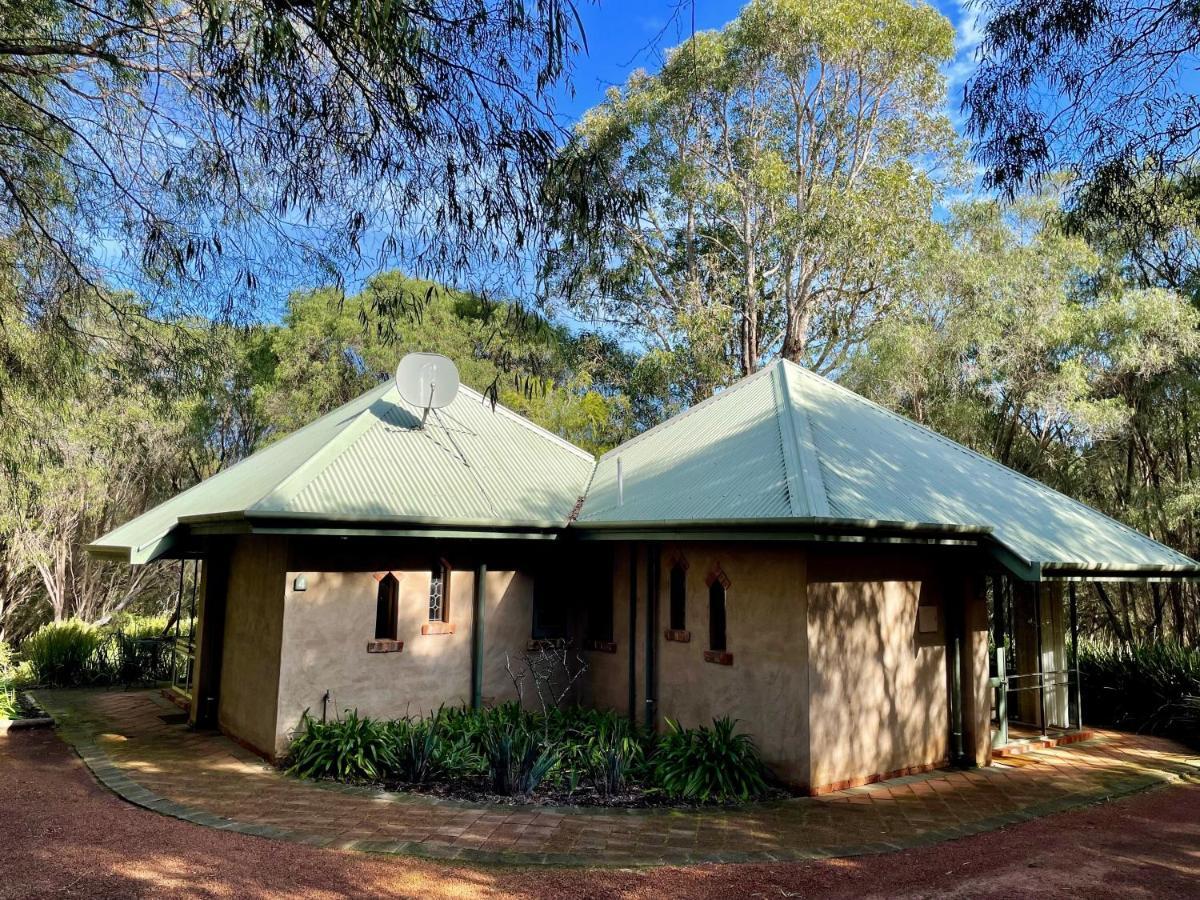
<point>438,628</point>
<point>601,646</point>
<point>385,646</point>
<point>679,635</point>
<point>718,657</point>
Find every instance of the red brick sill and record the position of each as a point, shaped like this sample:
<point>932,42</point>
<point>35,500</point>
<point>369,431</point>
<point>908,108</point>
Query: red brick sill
<point>385,646</point>
<point>718,657</point>
<point>600,646</point>
<point>438,628</point>
<point>678,634</point>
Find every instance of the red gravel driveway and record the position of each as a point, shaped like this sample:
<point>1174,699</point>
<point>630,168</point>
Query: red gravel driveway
<point>61,835</point>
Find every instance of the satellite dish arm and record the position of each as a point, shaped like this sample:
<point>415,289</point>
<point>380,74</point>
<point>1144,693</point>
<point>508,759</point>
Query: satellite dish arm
<point>429,405</point>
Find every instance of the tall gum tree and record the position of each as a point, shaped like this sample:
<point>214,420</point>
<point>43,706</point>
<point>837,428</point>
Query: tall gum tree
<point>782,172</point>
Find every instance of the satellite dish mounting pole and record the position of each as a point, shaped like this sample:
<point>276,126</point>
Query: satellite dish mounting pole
<point>429,405</point>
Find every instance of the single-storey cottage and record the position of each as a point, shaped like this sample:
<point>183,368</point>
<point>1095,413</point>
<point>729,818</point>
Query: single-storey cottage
<point>865,596</point>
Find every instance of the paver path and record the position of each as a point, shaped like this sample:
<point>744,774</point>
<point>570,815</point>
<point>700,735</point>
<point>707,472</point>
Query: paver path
<point>133,744</point>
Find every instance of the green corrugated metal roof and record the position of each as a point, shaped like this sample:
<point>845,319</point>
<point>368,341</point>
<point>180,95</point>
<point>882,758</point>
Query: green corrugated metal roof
<point>783,446</point>
<point>787,445</point>
<point>471,465</point>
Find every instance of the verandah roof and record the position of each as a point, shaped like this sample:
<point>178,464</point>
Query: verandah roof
<point>781,448</point>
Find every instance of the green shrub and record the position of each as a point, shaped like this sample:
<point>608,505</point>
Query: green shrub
<point>138,627</point>
<point>60,654</point>
<point>353,748</point>
<point>8,702</point>
<point>8,693</point>
<point>518,758</point>
<point>126,658</point>
<point>1149,687</point>
<point>709,764</point>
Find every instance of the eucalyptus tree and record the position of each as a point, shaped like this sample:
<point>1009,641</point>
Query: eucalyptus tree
<point>1027,344</point>
<point>1104,90</point>
<point>781,173</point>
<point>202,147</point>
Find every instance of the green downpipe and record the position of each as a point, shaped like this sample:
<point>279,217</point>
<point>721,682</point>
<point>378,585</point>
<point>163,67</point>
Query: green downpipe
<point>478,609</point>
<point>652,562</point>
<point>633,611</point>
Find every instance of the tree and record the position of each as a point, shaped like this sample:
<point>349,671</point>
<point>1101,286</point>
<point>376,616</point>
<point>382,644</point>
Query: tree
<point>1101,89</point>
<point>330,351</point>
<point>1027,346</point>
<point>202,148</point>
<point>783,171</point>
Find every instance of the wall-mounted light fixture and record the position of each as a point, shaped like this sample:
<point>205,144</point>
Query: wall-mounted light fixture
<point>300,583</point>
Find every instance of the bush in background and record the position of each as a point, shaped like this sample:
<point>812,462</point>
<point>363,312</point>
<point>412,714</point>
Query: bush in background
<point>74,653</point>
<point>8,682</point>
<point>60,654</point>
<point>1151,688</point>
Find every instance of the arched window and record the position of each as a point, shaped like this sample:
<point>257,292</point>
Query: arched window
<point>387,610</point>
<point>716,615</point>
<point>439,592</point>
<point>678,597</point>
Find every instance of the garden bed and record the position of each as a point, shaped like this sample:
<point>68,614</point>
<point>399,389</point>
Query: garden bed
<point>23,712</point>
<point>508,755</point>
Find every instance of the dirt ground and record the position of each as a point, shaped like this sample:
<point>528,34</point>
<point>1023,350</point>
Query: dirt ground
<point>61,835</point>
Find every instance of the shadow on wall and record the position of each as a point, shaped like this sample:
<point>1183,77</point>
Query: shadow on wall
<point>878,683</point>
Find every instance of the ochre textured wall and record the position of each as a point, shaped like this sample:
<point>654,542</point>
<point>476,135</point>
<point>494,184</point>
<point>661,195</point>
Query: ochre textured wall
<point>879,696</point>
<point>252,641</point>
<point>328,626</point>
<point>765,688</point>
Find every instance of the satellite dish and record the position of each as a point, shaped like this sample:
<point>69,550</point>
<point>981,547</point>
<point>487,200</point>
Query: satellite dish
<point>426,381</point>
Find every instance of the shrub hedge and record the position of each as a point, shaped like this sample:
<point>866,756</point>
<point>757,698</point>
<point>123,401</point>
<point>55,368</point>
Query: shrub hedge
<point>73,653</point>
<point>575,754</point>
<point>1152,688</point>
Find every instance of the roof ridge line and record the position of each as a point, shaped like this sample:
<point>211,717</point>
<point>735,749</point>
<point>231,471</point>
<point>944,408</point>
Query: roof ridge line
<point>338,440</point>
<point>731,389</point>
<point>962,448</point>
<point>801,461</point>
<point>531,425</point>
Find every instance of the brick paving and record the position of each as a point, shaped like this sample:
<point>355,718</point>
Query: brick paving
<point>207,779</point>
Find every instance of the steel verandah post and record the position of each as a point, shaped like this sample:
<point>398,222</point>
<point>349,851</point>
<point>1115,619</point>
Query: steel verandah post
<point>1041,662</point>
<point>1073,680</point>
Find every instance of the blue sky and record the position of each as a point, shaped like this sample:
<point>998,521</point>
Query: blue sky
<point>624,35</point>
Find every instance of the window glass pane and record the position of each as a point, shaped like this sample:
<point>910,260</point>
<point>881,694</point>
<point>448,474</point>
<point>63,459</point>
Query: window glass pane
<point>386,608</point>
<point>437,595</point>
<point>549,614</point>
<point>716,616</point>
<point>678,597</point>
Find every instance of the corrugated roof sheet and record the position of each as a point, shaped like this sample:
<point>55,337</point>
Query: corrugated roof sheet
<point>788,444</point>
<point>471,465</point>
<point>781,446</point>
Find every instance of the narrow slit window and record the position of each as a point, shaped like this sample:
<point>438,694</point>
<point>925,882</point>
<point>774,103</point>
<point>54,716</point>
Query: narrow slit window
<point>600,599</point>
<point>439,593</point>
<point>387,607</point>
<point>678,597</point>
<point>716,615</point>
